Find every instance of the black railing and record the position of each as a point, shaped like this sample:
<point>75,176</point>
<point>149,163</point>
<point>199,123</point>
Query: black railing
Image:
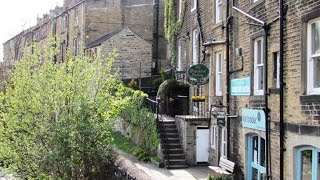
<point>154,105</point>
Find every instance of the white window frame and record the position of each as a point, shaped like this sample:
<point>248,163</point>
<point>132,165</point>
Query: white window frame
<point>277,69</point>
<point>223,147</point>
<point>257,90</point>
<point>194,5</point>
<point>195,37</point>
<point>179,56</point>
<point>76,17</point>
<point>63,23</point>
<point>219,61</point>
<point>310,63</point>
<point>218,13</point>
<point>213,137</point>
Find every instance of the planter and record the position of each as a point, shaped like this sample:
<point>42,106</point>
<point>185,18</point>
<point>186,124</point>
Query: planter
<point>156,163</point>
<point>198,100</point>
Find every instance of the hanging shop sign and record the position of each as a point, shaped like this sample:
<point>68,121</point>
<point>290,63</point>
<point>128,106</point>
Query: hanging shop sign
<point>221,119</point>
<point>240,87</point>
<point>254,119</point>
<point>198,74</point>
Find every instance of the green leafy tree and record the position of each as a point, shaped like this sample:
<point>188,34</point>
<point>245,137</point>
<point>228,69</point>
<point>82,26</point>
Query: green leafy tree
<point>56,118</point>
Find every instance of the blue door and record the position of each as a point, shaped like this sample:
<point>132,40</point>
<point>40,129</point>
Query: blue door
<point>256,169</point>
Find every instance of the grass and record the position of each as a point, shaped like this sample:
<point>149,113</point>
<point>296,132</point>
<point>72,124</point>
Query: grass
<point>123,143</point>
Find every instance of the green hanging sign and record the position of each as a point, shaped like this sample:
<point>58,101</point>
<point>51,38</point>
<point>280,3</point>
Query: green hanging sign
<point>221,120</point>
<point>198,74</point>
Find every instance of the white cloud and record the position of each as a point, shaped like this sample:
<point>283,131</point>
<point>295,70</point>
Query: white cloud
<point>17,15</point>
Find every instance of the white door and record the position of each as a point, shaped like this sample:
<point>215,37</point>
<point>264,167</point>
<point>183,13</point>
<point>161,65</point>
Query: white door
<point>202,145</point>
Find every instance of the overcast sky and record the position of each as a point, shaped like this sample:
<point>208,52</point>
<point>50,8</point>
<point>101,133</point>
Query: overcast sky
<point>17,15</point>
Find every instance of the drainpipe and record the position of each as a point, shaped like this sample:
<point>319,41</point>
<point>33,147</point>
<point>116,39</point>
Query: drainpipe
<point>228,77</point>
<point>266,94</point>
<point>265,27</point>
<point>157,37</point>
<point>281,108</point>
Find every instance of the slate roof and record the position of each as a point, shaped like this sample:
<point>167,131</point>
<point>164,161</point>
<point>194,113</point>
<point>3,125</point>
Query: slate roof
<point>102,39</point>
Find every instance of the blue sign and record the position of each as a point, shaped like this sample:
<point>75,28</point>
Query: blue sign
<point>240,87</point>
<point>254,119</point>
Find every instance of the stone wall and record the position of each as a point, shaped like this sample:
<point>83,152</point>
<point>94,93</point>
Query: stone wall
<point>132,50</point>
<point>187,128</point>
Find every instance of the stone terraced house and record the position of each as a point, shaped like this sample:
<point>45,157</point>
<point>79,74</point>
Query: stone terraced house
<point>264,86</point>
<point>78,23</point>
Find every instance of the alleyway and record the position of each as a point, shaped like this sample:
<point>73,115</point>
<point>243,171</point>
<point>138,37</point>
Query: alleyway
<point>155,173</point>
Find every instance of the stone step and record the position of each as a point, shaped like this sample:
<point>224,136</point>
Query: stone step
<point>167,122</point>
<point>168,126</point>
<point>177,166</point>
<point>170,141</point>
<point>175,162</point>
<point>171,146</point>
<point>170,135</point>
<point>177,156</point>
<point>170,130</point>
<point>172,151</point>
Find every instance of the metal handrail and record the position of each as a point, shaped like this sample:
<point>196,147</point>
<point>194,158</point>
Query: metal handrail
<point>157,103</point>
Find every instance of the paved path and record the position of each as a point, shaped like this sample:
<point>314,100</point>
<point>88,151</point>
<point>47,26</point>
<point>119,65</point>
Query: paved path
<point>155,173</point>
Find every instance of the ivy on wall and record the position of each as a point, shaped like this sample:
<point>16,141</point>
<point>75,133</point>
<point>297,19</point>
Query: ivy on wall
<point>173,25</point>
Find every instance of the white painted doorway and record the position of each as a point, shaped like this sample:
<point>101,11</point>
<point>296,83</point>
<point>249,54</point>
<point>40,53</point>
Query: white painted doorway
<point>202,144</point>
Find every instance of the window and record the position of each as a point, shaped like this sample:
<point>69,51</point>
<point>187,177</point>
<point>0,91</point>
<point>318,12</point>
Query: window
<point>76,17</point>
<point>195,37</point>
<point>276,68</point>
<point>218,11</point>
<point>223,150</point>
<point>258,67</point>
<point>64,22</point>
<point>307,163</point>
<point>76,48</point>
<point>213,137</point>
<point>62,51</point>
<point>194,5</point>
<point>313,85</point>
<point>179,56</point>
<point>219,74</point>
<point>256,158</point>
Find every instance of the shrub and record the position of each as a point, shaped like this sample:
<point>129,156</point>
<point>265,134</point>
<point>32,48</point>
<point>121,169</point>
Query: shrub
<point>56,118</point>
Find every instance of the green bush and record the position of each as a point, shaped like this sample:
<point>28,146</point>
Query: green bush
<point>56,119</point>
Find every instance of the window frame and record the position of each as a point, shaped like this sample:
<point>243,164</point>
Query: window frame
<point>195,36</point>
<point>250,161</point>
<point>219,84</point>
<point>213,140</point>
<point>76,17</point>
<point>315,154</point>
<point>258,91</point>
<point>193,5</point>
<point>218,11</point>
<point>223,146</point>
<point>310,63</point>
<point>276,68</point>
<point>179,56</point>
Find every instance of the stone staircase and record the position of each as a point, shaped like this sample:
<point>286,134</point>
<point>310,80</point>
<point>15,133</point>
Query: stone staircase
<point>171,146</point>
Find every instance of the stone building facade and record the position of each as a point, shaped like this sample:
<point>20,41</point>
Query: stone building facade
<point>135,59</point>
<point>248,143</point>
<point>80,22</point>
